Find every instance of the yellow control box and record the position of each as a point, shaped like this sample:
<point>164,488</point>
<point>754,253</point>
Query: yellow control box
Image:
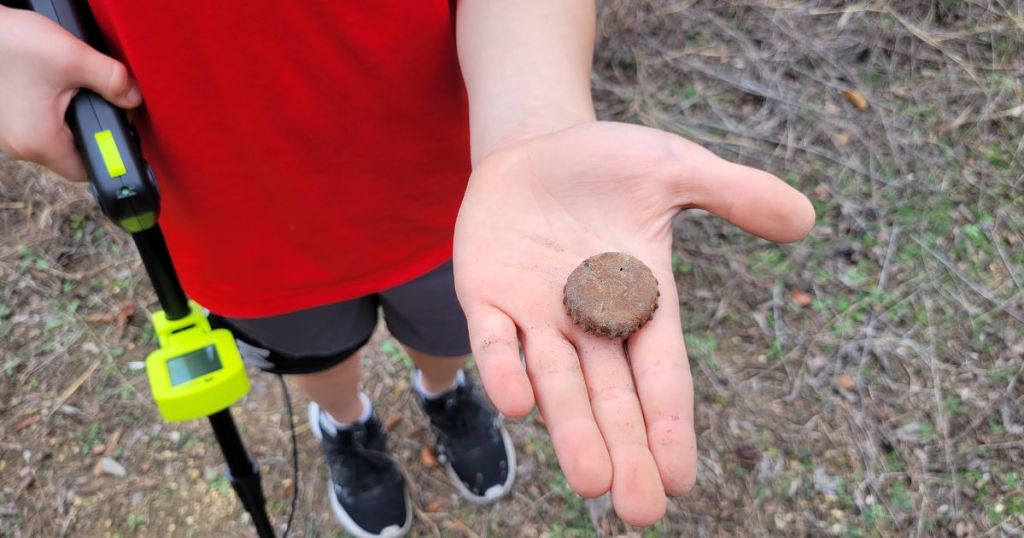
<point>197,371</point>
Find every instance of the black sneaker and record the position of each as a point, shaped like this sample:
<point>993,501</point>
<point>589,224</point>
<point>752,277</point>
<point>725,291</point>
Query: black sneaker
<point>366,489</point>
<point>472,443</point>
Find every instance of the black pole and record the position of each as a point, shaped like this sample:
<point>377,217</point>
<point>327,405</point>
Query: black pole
<point>243,473</point>
<point>157,259</point>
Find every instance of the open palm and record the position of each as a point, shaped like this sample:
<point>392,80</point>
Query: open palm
<point>620,413</point>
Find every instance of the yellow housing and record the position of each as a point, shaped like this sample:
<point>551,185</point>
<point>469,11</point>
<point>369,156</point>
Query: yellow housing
<point>196,371</point>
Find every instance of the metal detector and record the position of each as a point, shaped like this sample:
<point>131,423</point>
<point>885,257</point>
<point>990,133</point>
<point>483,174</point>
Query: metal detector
<point>196,371</point>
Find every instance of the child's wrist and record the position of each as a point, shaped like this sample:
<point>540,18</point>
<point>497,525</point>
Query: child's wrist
<point>531,125</point>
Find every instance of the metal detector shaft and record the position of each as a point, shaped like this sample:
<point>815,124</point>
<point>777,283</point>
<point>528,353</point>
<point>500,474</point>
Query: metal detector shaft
<point>243,473</point>
<point>125,189</point>
<point>157,260</point>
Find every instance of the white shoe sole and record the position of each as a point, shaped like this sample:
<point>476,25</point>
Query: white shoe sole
<point>353,528</point>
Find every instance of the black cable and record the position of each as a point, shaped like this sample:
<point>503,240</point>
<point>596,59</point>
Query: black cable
<point>295,455</point>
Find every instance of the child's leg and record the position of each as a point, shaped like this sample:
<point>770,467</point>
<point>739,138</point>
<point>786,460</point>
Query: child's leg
<point>336,389</point>
<point>438,372</point>
<point>424,315</point>
<point>319,349</point>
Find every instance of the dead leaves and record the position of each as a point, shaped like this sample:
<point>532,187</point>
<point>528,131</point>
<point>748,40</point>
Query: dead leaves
<point>856,99</point>
<point>427,457</point>
<point>100,317</point>
<point>801,298</point>
<point>393,419</point>
<point>110,446</point>
<point>844,382</point>
<point>26,422</point>
<point>749,456</point>
<point>435,505</point>
<point>121,317</point>
<point>28,477</point>
<point>287,488</point>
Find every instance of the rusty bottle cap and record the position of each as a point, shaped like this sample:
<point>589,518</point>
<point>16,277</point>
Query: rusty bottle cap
<point>611,294</point>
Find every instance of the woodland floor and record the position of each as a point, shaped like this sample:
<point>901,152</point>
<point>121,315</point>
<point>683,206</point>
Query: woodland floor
<point>866,381</point>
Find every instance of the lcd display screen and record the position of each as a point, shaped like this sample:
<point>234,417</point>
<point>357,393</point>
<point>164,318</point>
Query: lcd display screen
<point>193,364</point>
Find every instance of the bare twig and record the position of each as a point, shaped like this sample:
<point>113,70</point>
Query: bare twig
<point>72,388</point>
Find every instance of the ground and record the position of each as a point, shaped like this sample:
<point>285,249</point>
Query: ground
<point>866,381</point>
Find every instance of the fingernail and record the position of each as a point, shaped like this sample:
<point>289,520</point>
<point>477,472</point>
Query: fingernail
<point>134,95</point>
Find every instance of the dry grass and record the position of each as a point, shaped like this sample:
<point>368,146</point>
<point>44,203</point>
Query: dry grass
<point>866,381</point>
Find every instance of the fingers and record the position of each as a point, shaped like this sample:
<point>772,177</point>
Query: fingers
<point>754,200</point>
<point>563,401</point>
<point>51,65</point>
<point>657,355</point>
<point>105,76</point>
<point>637,492</point>
<point>49,144</point>
<point>62,157</point>
<point>492,336</point>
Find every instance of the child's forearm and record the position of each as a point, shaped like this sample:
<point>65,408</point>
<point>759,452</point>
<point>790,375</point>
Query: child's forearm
<point>526,65</point>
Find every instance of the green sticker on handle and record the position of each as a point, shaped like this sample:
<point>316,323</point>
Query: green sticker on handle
<point>111,156</point>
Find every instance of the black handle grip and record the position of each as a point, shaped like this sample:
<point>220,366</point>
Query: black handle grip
<point>120,180</point>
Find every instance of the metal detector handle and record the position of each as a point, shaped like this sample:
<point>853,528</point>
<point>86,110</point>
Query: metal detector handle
<point>120,180</point>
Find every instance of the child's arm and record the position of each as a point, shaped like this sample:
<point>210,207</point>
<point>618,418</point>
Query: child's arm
<point>551,187</point>
<point>526,66</point>
<point>41,68</point>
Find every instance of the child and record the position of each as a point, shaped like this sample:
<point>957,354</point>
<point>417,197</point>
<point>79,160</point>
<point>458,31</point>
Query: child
<point>314,161</point>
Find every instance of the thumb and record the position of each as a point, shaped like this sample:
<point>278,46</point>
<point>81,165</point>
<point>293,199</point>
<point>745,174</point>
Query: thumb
<point>105,76</point>
<point>753,200</point>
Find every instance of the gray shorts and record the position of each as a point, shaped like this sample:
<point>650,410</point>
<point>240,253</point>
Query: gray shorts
<point>423,314</point>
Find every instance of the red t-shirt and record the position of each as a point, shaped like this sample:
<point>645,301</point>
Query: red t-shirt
<point>307,152</point>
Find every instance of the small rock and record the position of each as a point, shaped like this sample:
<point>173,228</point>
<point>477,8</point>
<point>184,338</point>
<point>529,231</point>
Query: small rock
<point>824,482</point>
<point>108,465</point>
<point>962,529</point>
<point>817,364</point>
<point>909,433</point>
